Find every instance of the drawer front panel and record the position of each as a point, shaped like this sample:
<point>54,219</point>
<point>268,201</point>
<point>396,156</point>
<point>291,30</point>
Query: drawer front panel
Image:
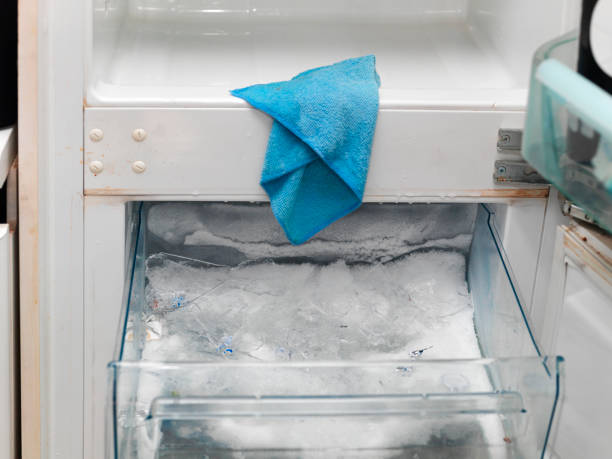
<point>218,153</point>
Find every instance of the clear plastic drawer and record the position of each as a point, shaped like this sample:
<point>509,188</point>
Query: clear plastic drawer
<point>396,332</point>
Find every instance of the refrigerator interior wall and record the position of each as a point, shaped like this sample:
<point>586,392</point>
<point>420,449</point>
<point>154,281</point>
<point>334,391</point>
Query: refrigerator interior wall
<point>584,339</point>
<point>457,53</point>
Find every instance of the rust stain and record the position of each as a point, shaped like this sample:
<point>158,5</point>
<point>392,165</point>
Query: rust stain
<point>108,189</point>
<point>81,162</point>
<point>601,255</point>
<point>511,193</point>
<point>85,105</point>
<point>81,149</point>
<point>605,239</point>
<point>590,260</point>
<point>525,193</point>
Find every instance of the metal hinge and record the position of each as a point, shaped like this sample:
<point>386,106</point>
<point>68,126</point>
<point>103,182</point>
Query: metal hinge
<point>572,210</point>
<point>509,140</point>
<point>516,171</point>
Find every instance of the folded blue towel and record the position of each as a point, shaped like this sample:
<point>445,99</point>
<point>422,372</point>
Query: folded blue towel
<point>319,148</point>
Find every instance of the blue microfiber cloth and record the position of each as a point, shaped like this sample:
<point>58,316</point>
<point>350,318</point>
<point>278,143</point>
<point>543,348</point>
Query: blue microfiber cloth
<point>319,148</point>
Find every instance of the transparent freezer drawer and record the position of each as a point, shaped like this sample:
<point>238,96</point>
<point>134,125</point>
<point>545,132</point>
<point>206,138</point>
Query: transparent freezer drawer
<point>396,332</point>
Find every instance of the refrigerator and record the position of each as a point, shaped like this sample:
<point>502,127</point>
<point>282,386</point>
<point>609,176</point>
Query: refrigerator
<point>174,320</point>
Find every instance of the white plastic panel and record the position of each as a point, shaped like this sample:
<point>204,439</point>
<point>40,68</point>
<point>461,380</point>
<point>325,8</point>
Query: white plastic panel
<point>553,218</point>
<point>585,340</point>
<point>103,271</point>
<point>577,324</point>
<point>218,153</point>
<point>520,226</point>
<point>465,53</point>
<point>515,29</point>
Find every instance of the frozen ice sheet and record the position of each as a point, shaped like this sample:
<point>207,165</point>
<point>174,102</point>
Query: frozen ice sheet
<point>408,308</point>
<point>234,233</point>
<point>415,306</point>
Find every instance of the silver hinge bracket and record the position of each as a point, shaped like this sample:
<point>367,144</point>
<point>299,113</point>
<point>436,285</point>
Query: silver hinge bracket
<point>516,171</point>
<point>509,140</point>
<point>572,210</point>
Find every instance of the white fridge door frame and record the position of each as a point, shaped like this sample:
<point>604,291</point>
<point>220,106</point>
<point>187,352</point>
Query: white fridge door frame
<point>8,369</point>
<point>577,324</point>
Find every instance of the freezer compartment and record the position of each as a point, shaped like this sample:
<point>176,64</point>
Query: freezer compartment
<point>396,331</point>
<point>568,138</point>
<point>442,53</point>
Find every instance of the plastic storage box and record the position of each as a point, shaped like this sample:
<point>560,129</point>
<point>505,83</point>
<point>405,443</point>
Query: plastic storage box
<point>568,135</point>
<point>396,332</point>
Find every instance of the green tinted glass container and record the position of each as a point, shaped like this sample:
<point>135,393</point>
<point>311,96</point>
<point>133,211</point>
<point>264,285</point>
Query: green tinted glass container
<point>568,130</point>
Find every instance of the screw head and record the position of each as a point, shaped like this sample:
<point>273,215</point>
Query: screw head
<point>139,167</point>
<point>96,167</point>
<point>96,135</point>
<point>501,169</point>
<point>139,134</point>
